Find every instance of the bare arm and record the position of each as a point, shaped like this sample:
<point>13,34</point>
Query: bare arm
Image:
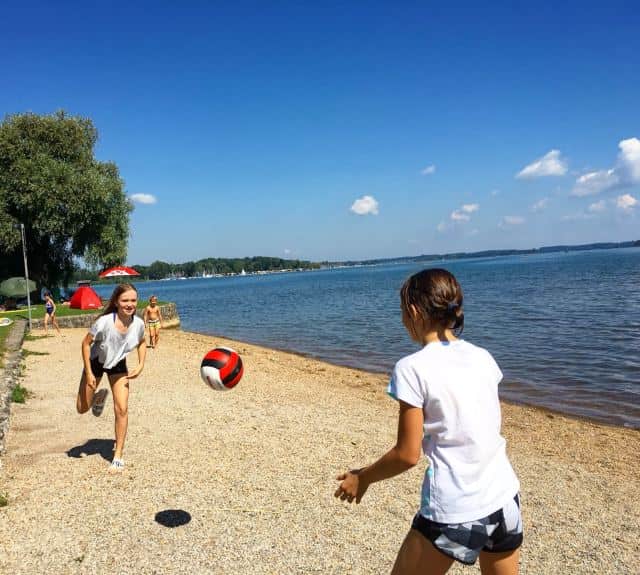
<point>401,457</point>
<point>86,359</point>
<point>142,354</point>
<point>145,315</point>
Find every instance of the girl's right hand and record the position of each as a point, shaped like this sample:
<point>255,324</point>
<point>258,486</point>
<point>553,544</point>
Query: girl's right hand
<point>352,487</point>
<point>90,380</point>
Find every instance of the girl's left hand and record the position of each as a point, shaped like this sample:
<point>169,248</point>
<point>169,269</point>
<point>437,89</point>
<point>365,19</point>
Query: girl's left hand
<point>134,373</point>
<point>351,487</point>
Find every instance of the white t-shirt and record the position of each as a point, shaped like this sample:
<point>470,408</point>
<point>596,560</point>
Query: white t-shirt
<point>109,345</point>
<point>456,385</point>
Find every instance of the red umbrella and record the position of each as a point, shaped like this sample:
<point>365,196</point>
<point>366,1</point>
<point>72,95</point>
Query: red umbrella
<point>118,271</point>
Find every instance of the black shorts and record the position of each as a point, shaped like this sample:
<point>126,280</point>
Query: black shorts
<point>496,533</point>
<point>98,369</point>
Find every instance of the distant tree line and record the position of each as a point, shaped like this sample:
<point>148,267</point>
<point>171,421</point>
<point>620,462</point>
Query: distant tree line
<point>211,266</point>
<point>488,253</point>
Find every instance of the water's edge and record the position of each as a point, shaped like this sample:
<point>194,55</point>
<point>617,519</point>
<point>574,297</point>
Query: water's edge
<point>550,411</point>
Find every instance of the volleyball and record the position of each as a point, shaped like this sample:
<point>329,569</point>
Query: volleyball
<point>221,369</point>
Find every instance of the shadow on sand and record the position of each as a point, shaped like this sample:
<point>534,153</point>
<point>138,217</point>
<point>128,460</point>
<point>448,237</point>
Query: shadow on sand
<point>173,517</point>
<point>102,447</point>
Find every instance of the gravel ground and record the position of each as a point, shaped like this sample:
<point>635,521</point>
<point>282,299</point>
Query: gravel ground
<point>252,470</point>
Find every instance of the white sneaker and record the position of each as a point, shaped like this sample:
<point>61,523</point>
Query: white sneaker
<point>117,465</point>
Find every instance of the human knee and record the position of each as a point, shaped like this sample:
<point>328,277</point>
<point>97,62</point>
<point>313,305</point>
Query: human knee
<point>121,410</point>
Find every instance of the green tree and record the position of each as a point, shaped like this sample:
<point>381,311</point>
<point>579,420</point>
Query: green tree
<point>70,204</point>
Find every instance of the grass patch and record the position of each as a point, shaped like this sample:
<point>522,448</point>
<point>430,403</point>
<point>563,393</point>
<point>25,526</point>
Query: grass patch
<point>20,394</point>
<point>4,331</point>
<point>38,311</point>
<point>27,352</point>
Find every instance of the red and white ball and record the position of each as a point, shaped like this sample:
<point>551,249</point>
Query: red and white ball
<point>221,369</point>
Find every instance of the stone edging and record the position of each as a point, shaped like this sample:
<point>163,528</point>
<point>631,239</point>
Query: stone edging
<point>170,318</point>
<point>9,374</point>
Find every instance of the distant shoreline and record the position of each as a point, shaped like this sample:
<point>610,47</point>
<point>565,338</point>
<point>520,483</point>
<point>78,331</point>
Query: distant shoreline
<point>492,253</point>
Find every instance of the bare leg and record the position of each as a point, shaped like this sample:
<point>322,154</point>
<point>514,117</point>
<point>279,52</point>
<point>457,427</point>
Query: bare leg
<point>46,323</point>
<point>54,321</point>
<point>120,391</point>
<point>507,563</point>
<point>157,337</point>
<point>418,556</point>
<point>85,394</point>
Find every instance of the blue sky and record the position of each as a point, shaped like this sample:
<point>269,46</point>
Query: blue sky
<point>346,130</point>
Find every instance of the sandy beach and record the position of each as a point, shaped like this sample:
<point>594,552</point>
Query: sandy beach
<point>253,471</point>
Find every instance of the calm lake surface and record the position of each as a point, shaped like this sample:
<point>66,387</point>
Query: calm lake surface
<point>564,327</point>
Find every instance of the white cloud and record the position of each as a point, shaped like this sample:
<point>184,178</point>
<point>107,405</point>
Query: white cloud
<point>462,214</point>
<point>624,174</point>
<point>597,207</point>
<point>470,208</point>
<point>287,251</point>
<point>459,216</point>
<point>551,164</point>
<point>540,205</point>
<point>494,193</point>
<point>626,202</point>
<point>442,227</point>
<point>429,170</point>
<point>512,220</point>
<point>365,205</point>
<point>143,198</point>
<point>629,160</point>
<point>595,182</point>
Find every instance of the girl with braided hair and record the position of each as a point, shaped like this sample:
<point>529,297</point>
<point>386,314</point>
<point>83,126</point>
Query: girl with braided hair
<point>448,405</point>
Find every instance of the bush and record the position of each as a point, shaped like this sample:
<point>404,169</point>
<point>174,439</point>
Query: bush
<point>19,394</point>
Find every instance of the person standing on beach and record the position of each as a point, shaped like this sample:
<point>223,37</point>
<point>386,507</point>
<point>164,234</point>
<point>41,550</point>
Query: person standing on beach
<point>104,350</point>
<point>153,319</point>
<point>50,313</point>
<point>448,403</point>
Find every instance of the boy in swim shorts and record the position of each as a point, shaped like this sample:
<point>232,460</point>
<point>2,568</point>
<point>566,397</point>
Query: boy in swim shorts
<point>153,320</point>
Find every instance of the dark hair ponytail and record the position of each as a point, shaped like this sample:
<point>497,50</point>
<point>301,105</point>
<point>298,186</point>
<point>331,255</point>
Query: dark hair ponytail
<point>436,294</point>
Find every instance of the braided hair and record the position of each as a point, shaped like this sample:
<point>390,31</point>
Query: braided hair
<point>437,296</point>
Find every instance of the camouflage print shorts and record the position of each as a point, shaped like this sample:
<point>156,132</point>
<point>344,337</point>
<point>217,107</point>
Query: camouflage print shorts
<point>497,533</point>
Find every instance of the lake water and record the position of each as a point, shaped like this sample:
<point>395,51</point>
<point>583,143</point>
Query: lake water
<point>564,327</point>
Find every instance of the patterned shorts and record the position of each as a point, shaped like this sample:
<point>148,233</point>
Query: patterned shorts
<point>499,532</point>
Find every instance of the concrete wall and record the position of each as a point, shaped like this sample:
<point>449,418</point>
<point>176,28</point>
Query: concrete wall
<point>170,318</point>
<point>9,374</point>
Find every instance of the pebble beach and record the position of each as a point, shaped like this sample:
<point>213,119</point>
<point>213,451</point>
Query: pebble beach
<point>250,473</point>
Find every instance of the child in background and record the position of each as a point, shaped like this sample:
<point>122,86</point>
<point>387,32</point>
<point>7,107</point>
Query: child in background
<point>50,313</point>
<point>153,318</point>
<point>104,350</point>
<point>448,404</point>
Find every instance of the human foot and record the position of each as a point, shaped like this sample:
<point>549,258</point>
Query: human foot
<point>99,400</point>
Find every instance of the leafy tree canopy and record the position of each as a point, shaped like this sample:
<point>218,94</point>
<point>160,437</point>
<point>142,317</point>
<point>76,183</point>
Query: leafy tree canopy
<point>70,204</point>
